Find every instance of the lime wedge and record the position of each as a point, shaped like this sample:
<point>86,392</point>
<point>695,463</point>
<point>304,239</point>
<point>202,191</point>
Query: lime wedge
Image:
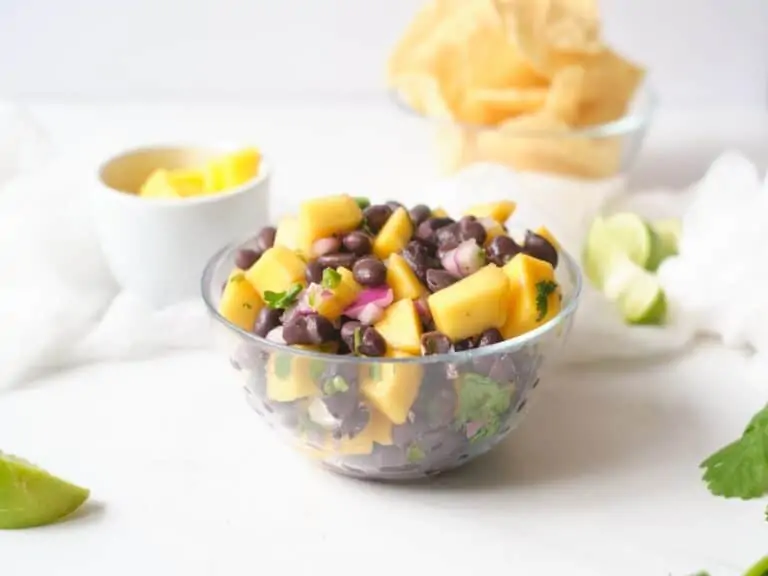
<point>637,292</point>
<point>668,233</point>
<point>30,496</point>
<point>633,236</point>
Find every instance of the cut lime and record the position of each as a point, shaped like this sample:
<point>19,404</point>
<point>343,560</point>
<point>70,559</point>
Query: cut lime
<point>633,236</point>
<point>668,233</point>
<point>30,496</point>
<point>759,569</point>
<point>597,252</point>
<point>637,292</point>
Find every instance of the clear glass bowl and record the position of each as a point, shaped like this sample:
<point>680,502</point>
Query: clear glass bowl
<point>465,402</point>
<point>591,152</point>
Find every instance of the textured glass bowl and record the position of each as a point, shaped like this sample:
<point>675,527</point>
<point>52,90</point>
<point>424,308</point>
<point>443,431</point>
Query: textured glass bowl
<point>591,152</point>
<point>292,389</point>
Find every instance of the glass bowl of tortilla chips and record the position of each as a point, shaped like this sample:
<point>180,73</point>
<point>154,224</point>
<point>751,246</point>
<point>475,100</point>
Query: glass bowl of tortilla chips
<point>523,83</point>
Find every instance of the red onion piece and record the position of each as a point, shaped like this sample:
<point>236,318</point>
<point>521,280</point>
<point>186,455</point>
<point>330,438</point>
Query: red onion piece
<point>381,296</point>
<point>276,335</point>
<point>465,259</point>
<point>370,314</point>
<point>325,246</point>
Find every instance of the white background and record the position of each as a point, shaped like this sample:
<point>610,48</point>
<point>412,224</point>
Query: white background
<point>702,52</point>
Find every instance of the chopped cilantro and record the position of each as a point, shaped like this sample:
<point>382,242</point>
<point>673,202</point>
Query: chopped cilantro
<point>335,385</point>
<point>363,202</point>
<point>282,366</point>
<point>375,371</point>
<point>282,299</point>
<point>331,278</point>
<point>484,400</point>
<point>316,369</point>
<point>357,339</point>
<point>414,453</point>
<point>543,291</point>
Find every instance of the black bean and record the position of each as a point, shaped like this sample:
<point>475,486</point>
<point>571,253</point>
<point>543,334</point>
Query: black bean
<point>295,331</point>
<point>372,343</point>
<point>319,329</point>
<point>348,330</point>
<point>370,271</point>
<point>245,258</point>
<point>435,343</point>
<point>429,247</point>
<point>501,250</point>
<point>425,314</point>
<point>448,237</point>
<point>357,242</point>
<point>466,344</point>
<point>466,219</point>
<point>266,238</point>
<point>439,279</point>
<point>489,337</point>
<point>419,213</point>
<point>469,230</point>
<point>267,319</point>
<point>427,229</point>
<point>338,260</point>
<point>418,258</point>
<point>376,216</point>
<point>355,423</point>
<point>539,247</point>
<point>314,272</point>
<point>394,205</point>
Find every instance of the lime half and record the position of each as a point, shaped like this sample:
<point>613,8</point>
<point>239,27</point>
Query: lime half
<point>668,233</point>
<point>633,236</point>
<point>30,496</point>
<point>637,292</point>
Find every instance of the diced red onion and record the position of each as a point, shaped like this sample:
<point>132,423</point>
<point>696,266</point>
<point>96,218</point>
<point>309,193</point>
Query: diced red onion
<point>380,296</point>
<point>325,246</point>
<point>276,335</point>
<point>467,258</point>
<point>370,314</point>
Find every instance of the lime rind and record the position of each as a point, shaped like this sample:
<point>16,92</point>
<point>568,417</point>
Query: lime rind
<point>668,232</point>
<point>31,497</point>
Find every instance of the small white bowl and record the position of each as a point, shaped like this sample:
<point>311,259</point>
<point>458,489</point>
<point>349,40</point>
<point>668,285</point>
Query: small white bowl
<point>158,248</point>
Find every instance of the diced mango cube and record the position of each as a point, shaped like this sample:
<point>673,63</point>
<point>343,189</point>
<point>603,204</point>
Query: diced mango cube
<point>378,430</point>
<point>402,279</point>
<point>290,378</point>
<point>439,213</point>
<point>471,305</point>
<point>187,182</point>
<point>547,235</point>
<point>394,235</point>
<point>288,233</point>
<point>276,271</point>
<point>341,296</point>
<point>535,295</point>
<point>324,217</point>
<point>401,327</point>
<point>232,170</point>
<point>393,388</point>
<point>499,211</point>
<point>493,231</point>
<point>240,303</point>
<point>158,185</point>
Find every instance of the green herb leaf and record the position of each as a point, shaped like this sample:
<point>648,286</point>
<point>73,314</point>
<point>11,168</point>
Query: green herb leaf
<point>740,470</point>
<point>282,366</point>
<point>544,289</point>
<point>316,369</point>
<point>414,453</point>
<point>363,202</point>
<point>331,278</point>
<point>482,399</point>
<point>335,385</point>
<point>282,299</point>
<point>357,339</point>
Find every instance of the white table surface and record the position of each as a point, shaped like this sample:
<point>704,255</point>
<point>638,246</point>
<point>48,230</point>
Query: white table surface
<point>601,478</point>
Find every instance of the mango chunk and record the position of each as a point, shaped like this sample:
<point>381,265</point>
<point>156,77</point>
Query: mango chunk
<point>401,327</point>
<point>240,303</point>
<point>290,378</point>
<point>324,217</point>
<point>232,170</point>
<point>493,231</point>
<point>536,296</point>
<point>476,303</point>
<point>158,185</point>
<point>499,211</point>
<point>402,280</point>
<point>440,213</point>
<point>276,271</point>
<point>287,233</point>
<point>547,235</point>
<point>393,388</point>
<point>394,235</point>
<point>378,430</point>
<point>341,296</point>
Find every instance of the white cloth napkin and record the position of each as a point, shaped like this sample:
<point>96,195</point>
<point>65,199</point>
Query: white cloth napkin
<point>59,305</point>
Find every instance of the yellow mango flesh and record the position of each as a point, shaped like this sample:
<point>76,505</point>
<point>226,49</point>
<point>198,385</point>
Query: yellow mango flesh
<point>324,217</point>
<point>276,271</point>
<point>547,235</point>
<point>394,235</point>
<point>439,213</point>
<point>493,231</point>
<point>158,185</point>
<point>289,378</point>
<point>401,327</point>
<point>343,295</point>
<point>378,430</point>
<point>232,170</point>
<point>393,388</point>
<point>240,303</point>
<point>471,305</point>
<point>287,233</point>
<point>499,211</point>
<point>402,280</point>
<point>525,313</point>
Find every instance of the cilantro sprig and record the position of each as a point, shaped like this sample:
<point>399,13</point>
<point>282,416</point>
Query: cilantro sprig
<point>482,399</point>
<point>331,278</point>
<point>282,299</point>
<point>544,290</point>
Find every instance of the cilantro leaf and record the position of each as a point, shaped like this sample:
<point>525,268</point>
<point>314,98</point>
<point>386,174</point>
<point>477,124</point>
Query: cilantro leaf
<point>282,366</point>
<point>331,278</point>
<point>414,453</point>
<point>482,400</point>
<point>335,385</point>
<point>282,299</point>
<point>362,202</point>
<point>316,369</point>
<point>357,339</point>
<point>543,291</point>
<point>740,469</point>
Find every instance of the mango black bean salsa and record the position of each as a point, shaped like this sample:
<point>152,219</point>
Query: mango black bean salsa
<point>346,276</point>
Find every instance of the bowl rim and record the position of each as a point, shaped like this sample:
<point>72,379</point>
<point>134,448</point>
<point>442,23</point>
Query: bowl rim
<point>627,124</point>
<point>264,175</point>
<point>506,346</point>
